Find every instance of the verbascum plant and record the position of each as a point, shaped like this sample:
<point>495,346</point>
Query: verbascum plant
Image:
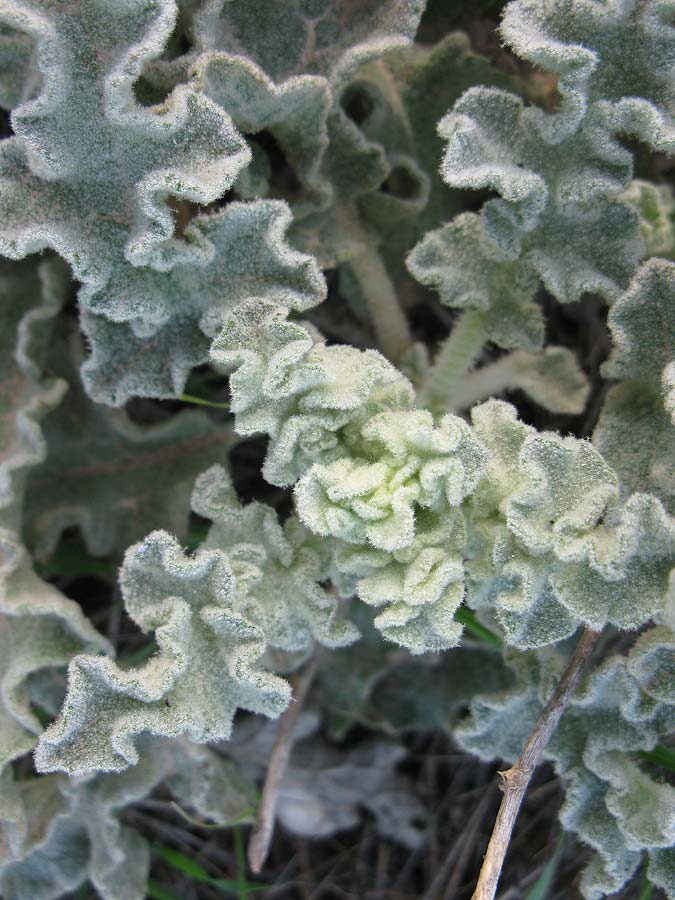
<point>188,172</point>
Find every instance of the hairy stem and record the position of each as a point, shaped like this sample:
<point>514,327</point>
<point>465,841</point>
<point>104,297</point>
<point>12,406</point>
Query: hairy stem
<point>453,360</point>
<point>516,779</point>
<point>488,381</point>
<point>263,829</point>
<point>389,321</point>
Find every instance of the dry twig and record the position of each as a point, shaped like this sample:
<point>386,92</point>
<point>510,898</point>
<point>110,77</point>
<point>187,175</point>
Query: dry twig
<point>445,884</point>
<point>261,835</point>
<point>516,779</point>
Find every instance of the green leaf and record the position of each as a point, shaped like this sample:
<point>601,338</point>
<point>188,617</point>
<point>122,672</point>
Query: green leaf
<point>193,869</point>
<point>181,862</point>
<point>71,560</point>
<point>476,628</point>
<point>661,756</point>
<point>647,889</point>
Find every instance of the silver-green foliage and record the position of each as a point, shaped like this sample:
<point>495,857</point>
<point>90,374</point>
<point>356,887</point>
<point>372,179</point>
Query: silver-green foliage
<point>317,117</point>
<point>614,801</point>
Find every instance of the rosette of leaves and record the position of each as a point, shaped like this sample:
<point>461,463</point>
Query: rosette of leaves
<point>381,467</point>
<point>307,396</point>
<point>406,462</point>
<point>397,500</point>
<point>615,802</point>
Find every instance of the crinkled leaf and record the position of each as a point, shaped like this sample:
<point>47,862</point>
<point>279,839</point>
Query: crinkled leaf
<point>278,569</point>
<point>557,208</point>
<point>108,475</point>
<point>635,431</point>
<point>73,831</point>
<point>614,806</point>
<point>420,587</point>
<point>304,37</point>
<point>551,545</point>
<point>100,200</point>
<point>588,44</point>
<point>39,627</point>
<point>470,271</point>
<point>418,464</point>
<point>299,391</point>
<point>207,665</point>
<point>294,114</point>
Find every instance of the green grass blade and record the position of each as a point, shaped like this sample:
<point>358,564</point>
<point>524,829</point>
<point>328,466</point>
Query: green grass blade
<point>472,625</point>
<point>200,401</point>
<point>138,656</point>
<point>182,862</point>
<point>660,756</point>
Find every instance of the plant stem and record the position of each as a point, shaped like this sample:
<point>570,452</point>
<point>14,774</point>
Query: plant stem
<point>261,835</point>
<point>389,321</point>
<point>453,360</point>
<point>516,779</point>
<point>488,381</point>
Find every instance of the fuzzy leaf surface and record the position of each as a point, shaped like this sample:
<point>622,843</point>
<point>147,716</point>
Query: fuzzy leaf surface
<point>108,475</point>
<point>101,200</point>
<point>613,804</point>
<point>279,568</point>
<point>207,665</point>
<point>635,430</point>
<point>587,45</point>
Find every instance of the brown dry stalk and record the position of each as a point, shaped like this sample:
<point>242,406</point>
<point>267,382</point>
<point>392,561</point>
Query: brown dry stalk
<point>263,829</point>
<point>516,779</point>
